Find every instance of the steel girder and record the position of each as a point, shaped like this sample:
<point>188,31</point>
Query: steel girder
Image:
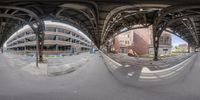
<point>26,17</point>
<point>82,15</point>
<point>171,15</point>
<point>85,15</point>
<point>111,37</point>
<point>180,30</point>
<point>122,13</point>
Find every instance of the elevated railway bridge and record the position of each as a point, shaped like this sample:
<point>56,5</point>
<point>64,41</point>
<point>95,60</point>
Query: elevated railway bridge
<point>100,20</point>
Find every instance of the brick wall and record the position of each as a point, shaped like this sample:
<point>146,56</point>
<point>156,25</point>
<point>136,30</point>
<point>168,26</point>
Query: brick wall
<point>141,41</point>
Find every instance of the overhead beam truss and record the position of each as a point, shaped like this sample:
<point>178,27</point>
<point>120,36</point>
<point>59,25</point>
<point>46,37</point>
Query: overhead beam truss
<point>126,16</point>
<point>170,15</point>
<point>26,16</point>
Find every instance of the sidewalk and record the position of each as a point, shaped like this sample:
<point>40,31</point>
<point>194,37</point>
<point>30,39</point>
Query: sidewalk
<point>167,62</point>
<point>19,60</point>
<point>67,64</point>
<point>54,66</point>
<point>66,59</point>
<point>138,74</point>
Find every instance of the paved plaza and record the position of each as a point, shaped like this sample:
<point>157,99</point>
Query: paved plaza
<point>92,81</point>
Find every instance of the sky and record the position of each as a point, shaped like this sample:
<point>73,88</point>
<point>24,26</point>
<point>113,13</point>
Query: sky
<point>176,40</point>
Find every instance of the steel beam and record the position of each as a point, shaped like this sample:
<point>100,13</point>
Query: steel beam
<point>29,17</point>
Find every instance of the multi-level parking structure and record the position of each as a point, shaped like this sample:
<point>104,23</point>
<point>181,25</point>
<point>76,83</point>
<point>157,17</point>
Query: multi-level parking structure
<point>59,39</point>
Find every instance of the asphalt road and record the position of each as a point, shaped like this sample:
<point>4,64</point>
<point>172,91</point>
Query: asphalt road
<point>91,82</point>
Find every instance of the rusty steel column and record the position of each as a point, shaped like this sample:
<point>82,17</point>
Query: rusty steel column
<point>37,50</point>
<point>38,29</point>
<point>188,48</point>
<point>156,37</point>
<point>156,47</point>
<point>40,47</point>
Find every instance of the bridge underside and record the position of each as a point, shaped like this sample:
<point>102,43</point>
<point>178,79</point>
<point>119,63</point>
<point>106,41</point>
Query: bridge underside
<point>101,20</point>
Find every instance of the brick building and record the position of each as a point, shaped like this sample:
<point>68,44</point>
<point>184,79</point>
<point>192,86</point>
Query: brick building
<point>141,42</point>
<point>123,42</point>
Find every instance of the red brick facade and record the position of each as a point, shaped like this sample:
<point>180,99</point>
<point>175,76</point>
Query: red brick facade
<point>142,41</point>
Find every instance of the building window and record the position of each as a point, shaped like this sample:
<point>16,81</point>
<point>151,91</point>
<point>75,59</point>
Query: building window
<point>77,36</point>
<point>161,40</point>
<point>73,34</point>
<point>67,32</point>
<point>52,29</point>
<point>165,49</point>
<point>60,30</point>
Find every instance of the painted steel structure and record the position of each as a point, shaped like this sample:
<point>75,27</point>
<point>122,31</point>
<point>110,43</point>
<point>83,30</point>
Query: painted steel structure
<point>101,19</point>
<point>58,39</point>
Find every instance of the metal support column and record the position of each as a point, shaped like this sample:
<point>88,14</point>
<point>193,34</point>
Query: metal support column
<point>156,47</point>
<point>156,37</point>
<point>39,48</point>
<point>57,43</point>
<point>25,45</point>
<point>188,48</point>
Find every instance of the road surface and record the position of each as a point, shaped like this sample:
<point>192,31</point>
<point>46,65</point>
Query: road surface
<point>91,82</point>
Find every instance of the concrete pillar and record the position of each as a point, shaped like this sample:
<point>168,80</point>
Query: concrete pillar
<point>188,48</point>
<point>1,50</point>
<point>25,45</point>
<point>56,30</point>
<point>192,49</point>
<point>56,47</point>
<point>56,43</point>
